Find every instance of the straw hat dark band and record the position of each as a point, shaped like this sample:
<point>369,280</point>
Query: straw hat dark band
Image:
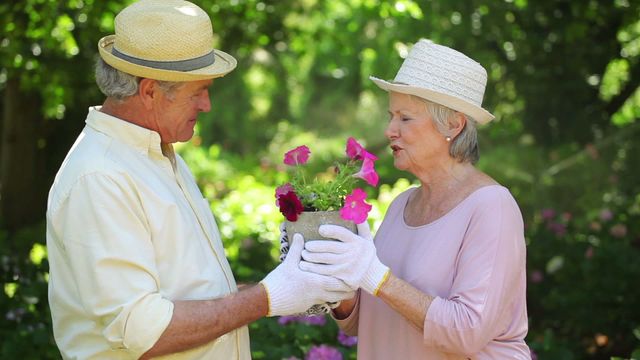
<point>168,40</point>
<point>180,65</point>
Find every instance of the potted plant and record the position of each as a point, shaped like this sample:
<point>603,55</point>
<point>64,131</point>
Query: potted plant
<point>308,202</point>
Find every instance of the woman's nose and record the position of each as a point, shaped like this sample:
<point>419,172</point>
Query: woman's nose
<point>391,132</point>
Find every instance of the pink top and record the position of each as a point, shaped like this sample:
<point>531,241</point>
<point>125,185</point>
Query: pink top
<point>472,260</point>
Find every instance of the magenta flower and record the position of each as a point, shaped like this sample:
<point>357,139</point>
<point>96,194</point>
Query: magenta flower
<point>323,352</point>
<point>347,340</point>
<point>356,151</point>
<point>297,156</point>
<point>355,208</point>
<point>368,173</point>
<point>282,190</point>
<point>290,206</point>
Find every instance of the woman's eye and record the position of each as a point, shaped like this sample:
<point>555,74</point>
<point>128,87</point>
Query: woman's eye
<point>404,118</point>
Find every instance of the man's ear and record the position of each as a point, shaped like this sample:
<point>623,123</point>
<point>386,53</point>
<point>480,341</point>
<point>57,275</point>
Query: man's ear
<point>456,124</point>
<point>148,91</point>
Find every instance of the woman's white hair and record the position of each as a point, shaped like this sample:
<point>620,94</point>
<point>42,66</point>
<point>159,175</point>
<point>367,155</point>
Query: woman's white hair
<point>120,85</point>
<point>464,147</point>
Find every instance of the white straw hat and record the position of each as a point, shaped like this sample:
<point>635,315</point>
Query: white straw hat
<point>167,40</point>
<point>444,76</point>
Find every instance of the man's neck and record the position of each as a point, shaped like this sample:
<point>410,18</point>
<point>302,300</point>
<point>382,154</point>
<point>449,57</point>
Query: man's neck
<point>128,110</point>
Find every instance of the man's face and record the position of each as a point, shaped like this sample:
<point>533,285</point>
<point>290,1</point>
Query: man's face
<point>176,112</point>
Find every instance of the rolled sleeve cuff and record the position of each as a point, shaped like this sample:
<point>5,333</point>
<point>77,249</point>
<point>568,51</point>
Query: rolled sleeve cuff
<point>146,321</point>
<point>350,324</point>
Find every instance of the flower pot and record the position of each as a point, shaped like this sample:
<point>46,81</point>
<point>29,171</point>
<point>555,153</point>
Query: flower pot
<point>309,221</point>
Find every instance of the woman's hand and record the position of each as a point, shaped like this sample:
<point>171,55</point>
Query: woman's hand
<point>352,259</point>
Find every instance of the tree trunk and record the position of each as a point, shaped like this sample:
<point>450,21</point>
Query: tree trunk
<point>22,196</point>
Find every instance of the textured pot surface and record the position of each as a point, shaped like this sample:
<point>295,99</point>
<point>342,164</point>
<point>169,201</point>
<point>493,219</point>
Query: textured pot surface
<point>309,221</point>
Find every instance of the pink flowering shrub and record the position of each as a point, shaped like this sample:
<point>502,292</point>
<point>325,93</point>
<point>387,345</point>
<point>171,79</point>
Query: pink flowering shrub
<point>306,193</point>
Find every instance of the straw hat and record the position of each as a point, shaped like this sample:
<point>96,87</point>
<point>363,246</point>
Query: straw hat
<point>167,40</point>
<point>444,76</point>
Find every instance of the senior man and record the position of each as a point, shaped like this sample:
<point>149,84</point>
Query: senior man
<point>137,267</point>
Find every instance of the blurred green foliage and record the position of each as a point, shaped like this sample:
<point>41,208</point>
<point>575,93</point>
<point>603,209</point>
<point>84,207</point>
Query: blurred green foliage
<point>563,84</point>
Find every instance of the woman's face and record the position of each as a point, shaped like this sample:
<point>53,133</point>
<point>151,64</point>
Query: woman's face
<point>413,137</point>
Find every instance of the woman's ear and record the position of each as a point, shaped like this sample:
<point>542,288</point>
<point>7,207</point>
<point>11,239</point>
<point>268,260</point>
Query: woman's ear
<point>147,90</point>
<point>456,124</point>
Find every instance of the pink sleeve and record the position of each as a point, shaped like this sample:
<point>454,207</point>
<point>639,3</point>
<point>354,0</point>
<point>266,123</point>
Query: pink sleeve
<point>350,324</point>
<point>486,283</point>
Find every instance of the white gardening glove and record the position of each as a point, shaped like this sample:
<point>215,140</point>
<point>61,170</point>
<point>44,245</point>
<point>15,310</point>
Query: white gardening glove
<point>316,309</point>
<point>353,259</point>
<point>292,291</point>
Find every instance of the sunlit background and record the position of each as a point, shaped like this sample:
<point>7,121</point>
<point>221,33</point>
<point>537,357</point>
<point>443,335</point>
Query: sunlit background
<point>563,84</point>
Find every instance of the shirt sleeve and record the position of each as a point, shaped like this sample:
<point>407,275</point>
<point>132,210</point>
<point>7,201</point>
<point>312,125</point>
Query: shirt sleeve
<point>350,324</point>
<point>486,283</point>
<point>105,237</point>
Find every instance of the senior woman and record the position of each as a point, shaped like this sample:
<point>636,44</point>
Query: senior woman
<point>445,277</point>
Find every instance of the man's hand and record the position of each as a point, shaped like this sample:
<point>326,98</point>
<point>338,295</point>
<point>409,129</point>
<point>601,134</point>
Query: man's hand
<point>352,259</point>
<point>291,290</point>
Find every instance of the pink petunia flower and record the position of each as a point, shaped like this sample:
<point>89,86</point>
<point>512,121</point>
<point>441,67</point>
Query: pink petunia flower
<point>368,172</point>
<point>355,208</point>
<point>356,151</point>
<point>297,156</point>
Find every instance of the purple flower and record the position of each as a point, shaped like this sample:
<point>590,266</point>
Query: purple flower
<point>284,320</point>
<point>323,352</point>
<point>318,320</point>
<point>558,229</point>
<point>606,214</point>
<point>547,214</point>
<point>347,340</point>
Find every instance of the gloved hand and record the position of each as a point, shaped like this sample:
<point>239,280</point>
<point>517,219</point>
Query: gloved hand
<point>316,309</point>
<point>292,291</point>
<point>353,259</point>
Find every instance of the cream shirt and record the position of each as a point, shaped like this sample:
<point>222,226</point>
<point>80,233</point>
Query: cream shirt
<point>128,233</point>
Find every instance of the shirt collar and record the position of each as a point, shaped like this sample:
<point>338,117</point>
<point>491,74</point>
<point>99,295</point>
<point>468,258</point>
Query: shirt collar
<point>145,140</point>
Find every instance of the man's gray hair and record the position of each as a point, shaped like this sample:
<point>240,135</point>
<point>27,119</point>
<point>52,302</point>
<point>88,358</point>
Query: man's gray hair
<point>464,147</point>
<point>120,85</point>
